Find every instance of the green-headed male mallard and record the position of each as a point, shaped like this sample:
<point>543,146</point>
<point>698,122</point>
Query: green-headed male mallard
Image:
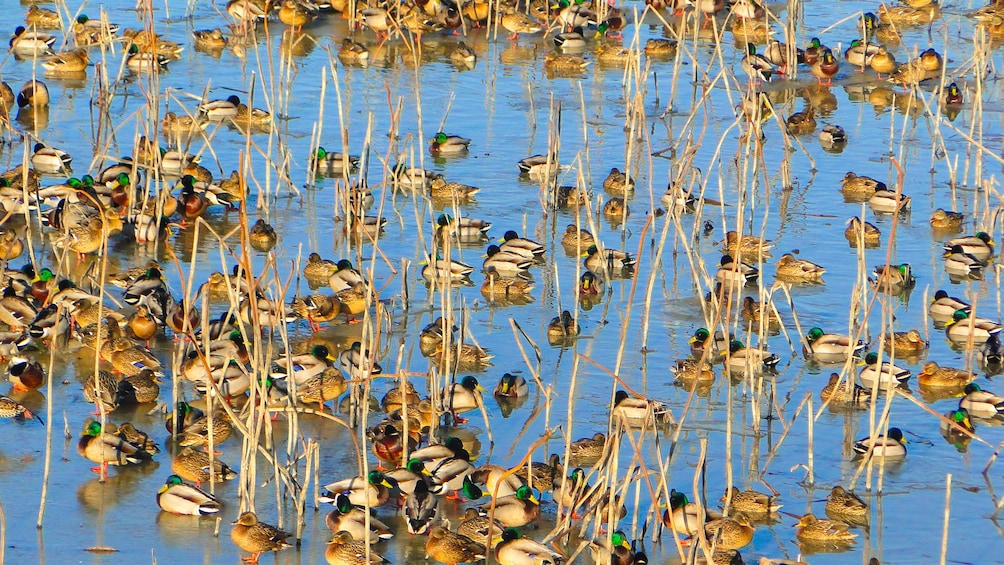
<point>177,497</point>
<point>892,444</point>
<point>444,145</point>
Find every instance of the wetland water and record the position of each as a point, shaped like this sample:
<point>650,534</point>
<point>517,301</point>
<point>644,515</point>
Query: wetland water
<point>608,118</point>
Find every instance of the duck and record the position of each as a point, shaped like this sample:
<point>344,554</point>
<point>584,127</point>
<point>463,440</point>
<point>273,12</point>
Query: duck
<point>888,375</point>
<point>943,307</point>
<point>462,54</point>
<point>844,505</point>
<point>463,396</point>
<point>888,202</point>
<point>756,66</point>
<point>26,374</point>
<point>702,340</point>
<point>50,160</point>
<point>832,138</point>
<point>588,448</point>
<point>262,236</point>
<point>34,94</point>
<point>573,40</point>
<point>691,371</point>
<point>812,529</point>
<point>353,519</point>
<point>613,260</point>
<point>890,445</point>
<point>373,490</point>
<point>741,359</point>
<point>42,18</point>
<point>31,43</point>
<point>953,96</point>
<point>893,278</point>
<point>777,54</point>
<point>820,343</point>
<point>511,386</point>
<point>542,474</point>
<point>67,62</point>
<point>640,411</point>
<point>538,166</point>
<point>661,48</point>
<point>562,328</point>
<point>788,267</point>
<point>847,392</point>
<point>683,516</point>
<point>963,328</point>
<point>506,262</point>
<point>10,408</point>
<point>942,219</point>
<point>515,510</point>
<point>201,434</point>
<point>345,549</point>
<point>220,110</point>
<point>438,269</point>
<point>883,62</point>
<point>497,480</point>
<point>614,550</point>
<point>826,67</point>
<point>128,432</point>
<point>750,502</point>
<point>251,117</point>
<point>575,238</point>
<point>144,61</point>
<point>107,449</point>
<point>934,375</point>
<point>453,475</point>
<point>528,248</point>
<point>884,33</point>
<point>257,537</point>
<point>451,548</point>
<point>444,145</point>
<point>908,342</point>
<point>514,549</point>
<point>980,403</point>
<point>559,64</point>
<point>333,164</point>
<point>979,245</point>
<point>194,465</point>
<point>736,245</point>
<point>957,261</point>
<point>991,354</point>
<point>802,123</point>
<point>480,528</point>
<point>617,182</point>
<point>860,186</point>
<point>421,507</point>
<point>210,39</point>
<point>499,289</point>
<point>178,497</point>
<point>955,420</point>
<point>860,54</point>
<point>731,271</point>
<point>730,533</point>
<point>757,313</point>
<point>296,14</point>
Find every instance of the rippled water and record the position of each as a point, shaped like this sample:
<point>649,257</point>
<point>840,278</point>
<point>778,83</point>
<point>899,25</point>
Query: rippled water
<point>503,103</point>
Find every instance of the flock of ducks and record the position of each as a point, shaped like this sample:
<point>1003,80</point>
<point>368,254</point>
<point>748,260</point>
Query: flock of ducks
<point>81,216</point>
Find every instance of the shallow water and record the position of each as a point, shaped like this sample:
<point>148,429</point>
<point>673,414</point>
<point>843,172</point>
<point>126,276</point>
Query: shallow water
<point>503,105</point>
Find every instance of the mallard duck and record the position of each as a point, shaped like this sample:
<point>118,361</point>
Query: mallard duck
<point>981,403</point>
<point>884,33</point>
<point>735,272</point>
<point>615,550</point>
<point>373,490</point>
<point>199,433</point>
<point>445,145</point>
<point>963,328</point>
<point>561,64</point>
<point>353,519</point>
<point>262,236</point>
<point>528,248</point>
<point>10,408</point>
<point>480,528</point>
<point>847,392</point>
<point>942,219</point>
<point>220,110</point>
<point>177,497</point>
<point>452,548</point>
<point>756,312</point>
<point>888,202</point>
<point>956,419</point>
<point>144,61</point>
<point>128,432</point>
<point>934,375</point>
<point>588,448</point>
<point>539,166</point>
<point>183,415</point>
<point>860,54</point>
<point>107,449</point>
<point>463,396</point>
<point>883,62</point>
<point>736,245</point>
<point>562,328</point>
<point>441,189</point>
<point>319,269</point>
<point>826,67</point>
<point>104,391</point>
<point>333,164</point>
<point>194,465</point>
<point>906,15</point>
<point>514,549</point>
<point>346,549</point>
<point>31,43</point>
<point>67,62</point>
<point>543,475</point>
<point>777,54</point>
<point>888,375</point>
<point>841,505</point>
<point>979,246</point>
<point>788,267</point>
<point>958,262</point>
<point>741,359</point>
<point>812,529</point>
<point>251,117</point>
<point>640,411</point>
<point>703,340</point>
<point>506,262</point>
<point>26,374</point>
<point>663,48</point>
<point>296,14</point>
<point>496,480</point>
<point>497,288</point>
<point>574,238</point>
<point>511,386</point>
<point>943,307</point>
<point>891,445</point>
<point>211,39</point>
<point>730,533</point>
<point>462,54</point>
<point>257,537</point>
<point>953,96</point>
<point>858,230</point>
<point>689,371</point>
<point>819,343</point>
<point>613,260</point>
<point>908,342</point>
<point>570,41</point>
<point>751,502</point>
<point>893,278</point>
<point>832,138</point>
<point>756,66</point>
<point>515,510</point>
<point>858,186</point>
<point>50,160</point>
<point>42,18</point>
<point>683,516</point>
<point>802,123</point>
